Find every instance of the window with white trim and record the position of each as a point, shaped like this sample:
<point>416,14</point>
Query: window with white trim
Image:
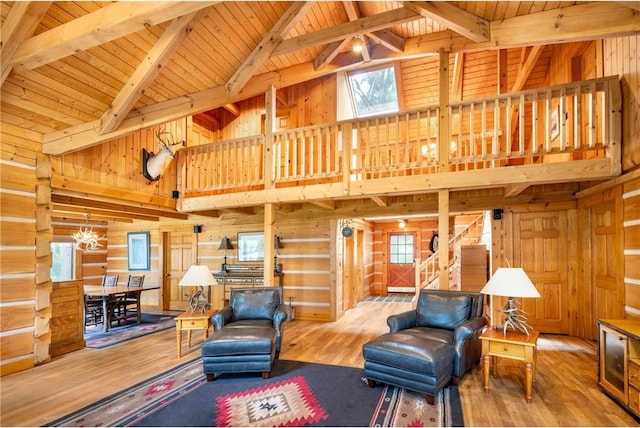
<point>373,91</point>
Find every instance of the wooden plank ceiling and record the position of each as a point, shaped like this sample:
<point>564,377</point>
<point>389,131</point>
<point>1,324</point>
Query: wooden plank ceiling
<point>82,73</point>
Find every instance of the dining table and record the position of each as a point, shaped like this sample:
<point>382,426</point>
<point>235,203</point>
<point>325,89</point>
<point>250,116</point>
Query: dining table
<point>109,294</point>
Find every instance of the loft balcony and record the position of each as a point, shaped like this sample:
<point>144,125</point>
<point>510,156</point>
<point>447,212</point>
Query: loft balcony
<point>563,133</point>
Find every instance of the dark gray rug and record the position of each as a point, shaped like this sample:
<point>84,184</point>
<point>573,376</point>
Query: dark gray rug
<point>296,394</point>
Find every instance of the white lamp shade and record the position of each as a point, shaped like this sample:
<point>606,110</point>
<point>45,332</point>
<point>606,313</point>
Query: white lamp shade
<point>197,275</point>
<point>510,282</point>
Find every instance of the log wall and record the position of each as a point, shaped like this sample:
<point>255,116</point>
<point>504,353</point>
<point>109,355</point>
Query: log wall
<point>25,236</point>
<point>307,256</point>
<point>622,57</point>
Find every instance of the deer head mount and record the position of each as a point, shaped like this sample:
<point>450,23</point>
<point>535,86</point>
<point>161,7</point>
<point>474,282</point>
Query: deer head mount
<point>153,164</point>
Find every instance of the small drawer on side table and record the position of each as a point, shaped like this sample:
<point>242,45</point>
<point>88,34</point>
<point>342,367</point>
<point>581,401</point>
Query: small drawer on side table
<point>192,321</point>
<point>507,350</point>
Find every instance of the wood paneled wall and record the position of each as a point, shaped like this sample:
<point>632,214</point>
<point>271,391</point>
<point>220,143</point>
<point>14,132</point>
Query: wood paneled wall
<point>622,58</point>
<point>119,162</point>
<point>25,236</point>
<point>631,201</point>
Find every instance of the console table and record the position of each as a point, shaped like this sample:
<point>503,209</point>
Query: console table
<point>243,276</point>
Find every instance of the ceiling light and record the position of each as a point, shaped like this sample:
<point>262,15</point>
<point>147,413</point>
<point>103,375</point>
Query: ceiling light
<point>358,43</point>
<point>86,239</point>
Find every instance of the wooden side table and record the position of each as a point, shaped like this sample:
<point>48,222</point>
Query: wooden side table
<point>513,345</point>
<point>192,321</point>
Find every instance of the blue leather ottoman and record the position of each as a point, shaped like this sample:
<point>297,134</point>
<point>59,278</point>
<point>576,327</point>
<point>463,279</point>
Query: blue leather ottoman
<point>239,350</point>
<point>416,363</point>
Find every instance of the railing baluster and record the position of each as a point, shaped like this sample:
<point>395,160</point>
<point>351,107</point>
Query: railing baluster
<point>472,137</point>
<point>592,115</point>
<point>577,114</point>
<point>561,121</point>
<point>508,114</point>
<point>547,122</point>
<point>484,131</point>
<point>521,126</point>
<point>534,124</point>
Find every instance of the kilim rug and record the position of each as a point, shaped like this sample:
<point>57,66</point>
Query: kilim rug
<point>296,394</point>
<point>96,338</point>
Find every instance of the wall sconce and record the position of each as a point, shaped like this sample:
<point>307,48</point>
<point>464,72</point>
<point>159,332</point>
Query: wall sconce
<point>277,244</point>
<point>225,245</point>
<point>402,224</point>
<point>358,43</point>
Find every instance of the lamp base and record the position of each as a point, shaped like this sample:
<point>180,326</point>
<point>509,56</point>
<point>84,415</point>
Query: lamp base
<point>197,302</point>
<point>515,318</point>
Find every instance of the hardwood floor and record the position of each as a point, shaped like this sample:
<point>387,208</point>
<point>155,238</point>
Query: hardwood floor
<point>565,392</point>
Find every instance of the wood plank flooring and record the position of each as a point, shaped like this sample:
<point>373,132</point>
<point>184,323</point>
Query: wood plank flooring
<point>565,392</point>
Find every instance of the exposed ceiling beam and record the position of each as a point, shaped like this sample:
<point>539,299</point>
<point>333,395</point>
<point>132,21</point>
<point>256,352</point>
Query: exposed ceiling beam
<point>58,217</point>
<point>462,22</point>
<point>381,201</point>
<point>514,190</point>
<point>267,46</point>
<point>104,25</point>
<point>82,210</point>
<point>114,207</point>
<point>146,72</point>
<point>389,40</point>
<point>329,53</point>
<point>353,13</point>
<point>21,22</point>
<point>232,108</point>
<point>458,68</point>
<point>86,135</point>
<point>326,204</point>
<point>564,25</point>
<point>348,29</point>
<point>526,67</point>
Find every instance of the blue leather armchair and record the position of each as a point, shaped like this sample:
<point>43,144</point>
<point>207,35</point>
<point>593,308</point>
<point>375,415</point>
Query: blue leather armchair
<point>248,333</point>
<point>450,317</point>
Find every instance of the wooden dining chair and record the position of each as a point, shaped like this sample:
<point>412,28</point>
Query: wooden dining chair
<point>93,309</point>
<point>131,303</point>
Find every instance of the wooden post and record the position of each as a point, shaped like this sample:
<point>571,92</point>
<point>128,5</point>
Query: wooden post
<point>443,238</point>
<point>269,129</point>
<point>444,135</point>
<point>269,220</point>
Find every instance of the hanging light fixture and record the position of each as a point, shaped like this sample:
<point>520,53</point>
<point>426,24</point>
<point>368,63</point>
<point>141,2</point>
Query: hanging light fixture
<point>86,238</point>
<point>358,43</point>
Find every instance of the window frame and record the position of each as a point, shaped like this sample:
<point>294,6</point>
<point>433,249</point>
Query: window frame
<point>72,261</point>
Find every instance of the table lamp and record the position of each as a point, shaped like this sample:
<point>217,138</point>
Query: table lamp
<point>225,245</point>
<point>511,283</point>
<point>200,276</point>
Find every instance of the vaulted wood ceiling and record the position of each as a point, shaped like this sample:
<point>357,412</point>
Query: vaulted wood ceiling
<point>82,73</point>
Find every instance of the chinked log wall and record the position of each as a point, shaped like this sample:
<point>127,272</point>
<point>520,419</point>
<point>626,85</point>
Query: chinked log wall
<point>565,132</point>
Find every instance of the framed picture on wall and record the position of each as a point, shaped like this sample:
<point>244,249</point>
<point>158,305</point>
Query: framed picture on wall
<point>138,250</point>
<point>250,246</point>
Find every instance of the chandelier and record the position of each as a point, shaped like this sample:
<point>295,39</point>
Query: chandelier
<point>86,239</point>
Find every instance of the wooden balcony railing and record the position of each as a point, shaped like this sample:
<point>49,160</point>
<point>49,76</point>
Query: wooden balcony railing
<point>564,123</point>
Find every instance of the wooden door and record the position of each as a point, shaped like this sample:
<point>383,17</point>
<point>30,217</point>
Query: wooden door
<point>540,248</point>
<point>608,292</point>
<point>180,255</point>
<point>401,252</point>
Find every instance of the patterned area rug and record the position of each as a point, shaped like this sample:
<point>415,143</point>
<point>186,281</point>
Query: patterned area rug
<point>296,394</point>
<point>96,338</point>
